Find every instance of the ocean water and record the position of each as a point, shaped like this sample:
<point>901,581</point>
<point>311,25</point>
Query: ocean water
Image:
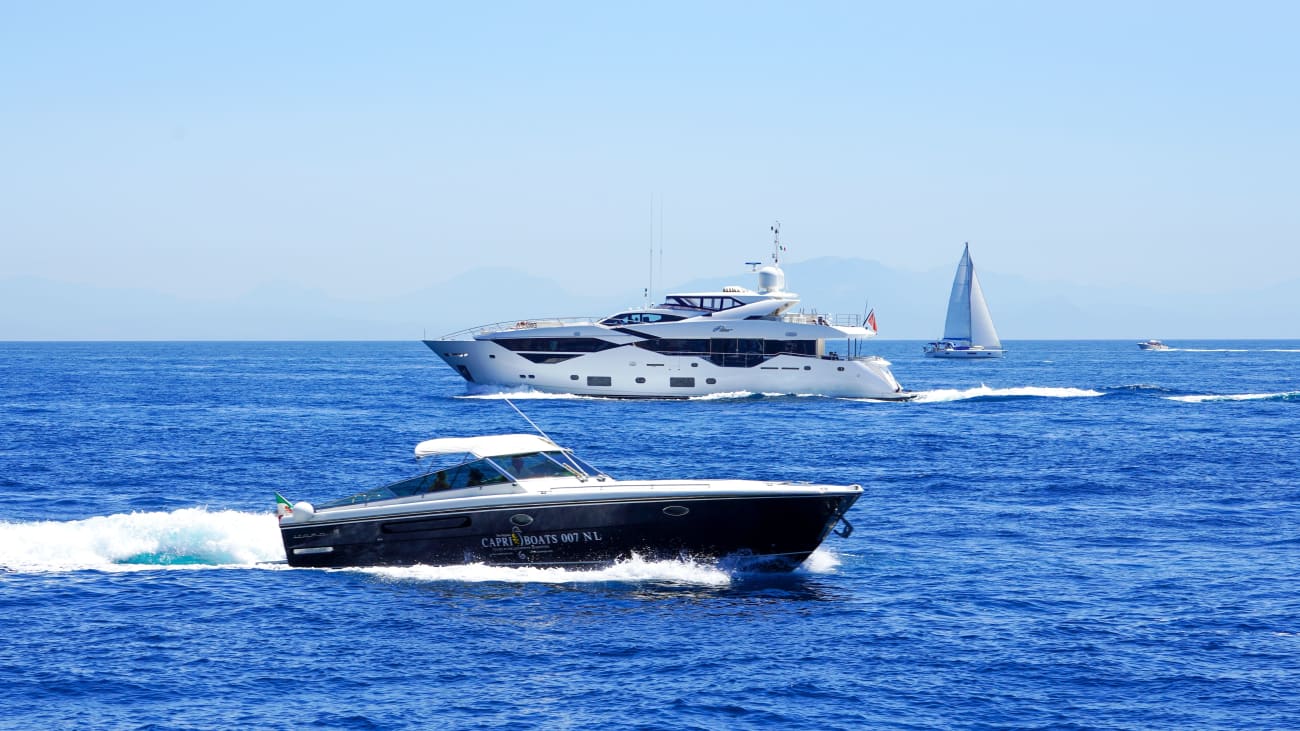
<point>1083,535</point>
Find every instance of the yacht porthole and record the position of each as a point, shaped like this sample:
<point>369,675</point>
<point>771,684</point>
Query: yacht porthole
<point>807,368</point>
<point>695,365</point>
<point>640,379</point>
<point>574,377</point>
<point>710,381</point>
<point>839,368</point>
<point>676,511</point>
<point>521,519</point>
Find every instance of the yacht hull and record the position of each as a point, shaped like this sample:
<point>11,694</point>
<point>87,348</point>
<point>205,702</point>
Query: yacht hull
<point>774,533</point>
<point>629,372</point>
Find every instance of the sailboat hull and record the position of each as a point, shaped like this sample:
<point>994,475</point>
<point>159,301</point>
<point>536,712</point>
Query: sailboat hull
<point>938,351</point>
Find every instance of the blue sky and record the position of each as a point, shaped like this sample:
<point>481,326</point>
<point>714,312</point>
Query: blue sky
<point>365,149</point>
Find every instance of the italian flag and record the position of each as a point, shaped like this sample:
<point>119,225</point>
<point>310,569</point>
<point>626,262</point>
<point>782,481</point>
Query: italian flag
<point>282,506</point>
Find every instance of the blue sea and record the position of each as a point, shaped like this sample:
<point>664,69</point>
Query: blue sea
<point>1080,536</point>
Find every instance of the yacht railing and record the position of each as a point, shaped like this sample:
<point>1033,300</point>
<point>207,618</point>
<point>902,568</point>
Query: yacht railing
<point>822,318</point>
<point>504,325</point>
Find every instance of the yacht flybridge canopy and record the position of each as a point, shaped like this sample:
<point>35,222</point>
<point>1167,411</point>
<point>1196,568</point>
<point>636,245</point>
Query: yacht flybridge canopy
<point>493,446</point>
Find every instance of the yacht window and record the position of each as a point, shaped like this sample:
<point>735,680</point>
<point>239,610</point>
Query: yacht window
<point>623,318</point>
<point>676,346</point>
<point>681,382</point>
<point>792,347</point>
<point>639,318</point>
<point>555,345</point>
<point>599,381</point>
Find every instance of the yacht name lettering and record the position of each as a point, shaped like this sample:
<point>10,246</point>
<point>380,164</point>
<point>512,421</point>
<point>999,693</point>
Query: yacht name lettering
<point>515,540</point>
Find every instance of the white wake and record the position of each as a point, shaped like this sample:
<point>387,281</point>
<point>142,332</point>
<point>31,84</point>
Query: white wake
<point>190,537</point>
<point>943,395</point>
<point>1202,398</point>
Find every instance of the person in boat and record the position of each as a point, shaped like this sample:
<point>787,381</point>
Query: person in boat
<point>439,482</point>
<point>517,467</point>
<point>475,477</point>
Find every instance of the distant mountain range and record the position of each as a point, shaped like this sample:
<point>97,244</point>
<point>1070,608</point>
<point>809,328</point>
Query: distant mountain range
<point>908,305</point>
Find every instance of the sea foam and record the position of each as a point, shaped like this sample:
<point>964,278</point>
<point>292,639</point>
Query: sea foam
<point>190,537</point>
<point>942,395</point>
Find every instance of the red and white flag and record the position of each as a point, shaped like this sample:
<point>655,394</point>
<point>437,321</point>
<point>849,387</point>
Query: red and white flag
<point>871,320</point>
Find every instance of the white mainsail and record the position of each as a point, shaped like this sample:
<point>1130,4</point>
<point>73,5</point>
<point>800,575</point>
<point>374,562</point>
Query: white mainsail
<point>968,314</point>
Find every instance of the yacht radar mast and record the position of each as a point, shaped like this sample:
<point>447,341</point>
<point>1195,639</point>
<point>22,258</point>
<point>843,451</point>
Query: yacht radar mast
<point>770,277</point>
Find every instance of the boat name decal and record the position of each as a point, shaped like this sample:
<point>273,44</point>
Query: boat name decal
<point>517,540</point>
<point>721,329</point>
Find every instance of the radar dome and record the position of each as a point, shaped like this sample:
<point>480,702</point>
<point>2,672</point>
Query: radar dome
<point>770,279</point>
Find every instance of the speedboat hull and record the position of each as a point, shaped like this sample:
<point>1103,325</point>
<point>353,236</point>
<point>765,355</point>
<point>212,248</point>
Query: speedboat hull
<point>772,531</point>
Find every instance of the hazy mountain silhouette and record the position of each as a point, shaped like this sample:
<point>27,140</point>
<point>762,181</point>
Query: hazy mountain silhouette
<point>908,305</point>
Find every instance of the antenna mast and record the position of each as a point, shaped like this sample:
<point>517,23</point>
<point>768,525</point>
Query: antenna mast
<point>525,418</point>
<point>776,243</point>
<point>661,241</point>
<point>650,289</point>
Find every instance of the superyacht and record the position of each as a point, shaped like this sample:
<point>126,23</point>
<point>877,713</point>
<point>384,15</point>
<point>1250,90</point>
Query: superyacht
<point>690,344</point>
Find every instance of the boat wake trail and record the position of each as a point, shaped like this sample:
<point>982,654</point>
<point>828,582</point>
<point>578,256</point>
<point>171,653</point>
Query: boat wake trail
<point>522,393</point>
<point>633,570</point>
<point>187,538</point>
<point>738,395</point>
<point>1203,398</point>
<point>943,395</point>
<point>1208,350</point>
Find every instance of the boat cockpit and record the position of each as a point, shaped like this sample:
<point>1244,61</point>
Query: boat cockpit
<point>478,472</point>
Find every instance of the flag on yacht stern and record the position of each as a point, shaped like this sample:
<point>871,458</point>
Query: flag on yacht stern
<point>282,506</point>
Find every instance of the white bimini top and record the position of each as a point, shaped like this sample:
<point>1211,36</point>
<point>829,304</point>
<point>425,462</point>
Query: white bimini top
<point>498,445</point>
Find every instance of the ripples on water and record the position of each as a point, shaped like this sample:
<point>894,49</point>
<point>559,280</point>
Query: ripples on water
<point>1081,536</point>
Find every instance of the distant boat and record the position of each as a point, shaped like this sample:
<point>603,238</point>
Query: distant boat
<point>968,331</point>
<point>1152,345</point>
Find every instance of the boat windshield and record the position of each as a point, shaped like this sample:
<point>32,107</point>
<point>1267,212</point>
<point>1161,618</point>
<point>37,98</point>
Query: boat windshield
<point>476,473</point>
<point>546,464</point>
<point>467,474</point>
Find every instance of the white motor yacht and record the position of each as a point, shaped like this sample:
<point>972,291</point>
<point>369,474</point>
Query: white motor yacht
<point>690,344</point>
<point>1152,345</point>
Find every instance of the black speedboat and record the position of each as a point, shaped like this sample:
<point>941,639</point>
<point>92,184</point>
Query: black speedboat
<point>523,500</point>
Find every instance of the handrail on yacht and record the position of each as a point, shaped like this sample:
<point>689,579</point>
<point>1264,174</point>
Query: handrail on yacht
<point>822,318</point>
<point>528,324</point>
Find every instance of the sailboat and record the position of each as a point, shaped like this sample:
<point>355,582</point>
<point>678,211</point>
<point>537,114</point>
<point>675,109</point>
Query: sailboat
<point>968,332</point>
